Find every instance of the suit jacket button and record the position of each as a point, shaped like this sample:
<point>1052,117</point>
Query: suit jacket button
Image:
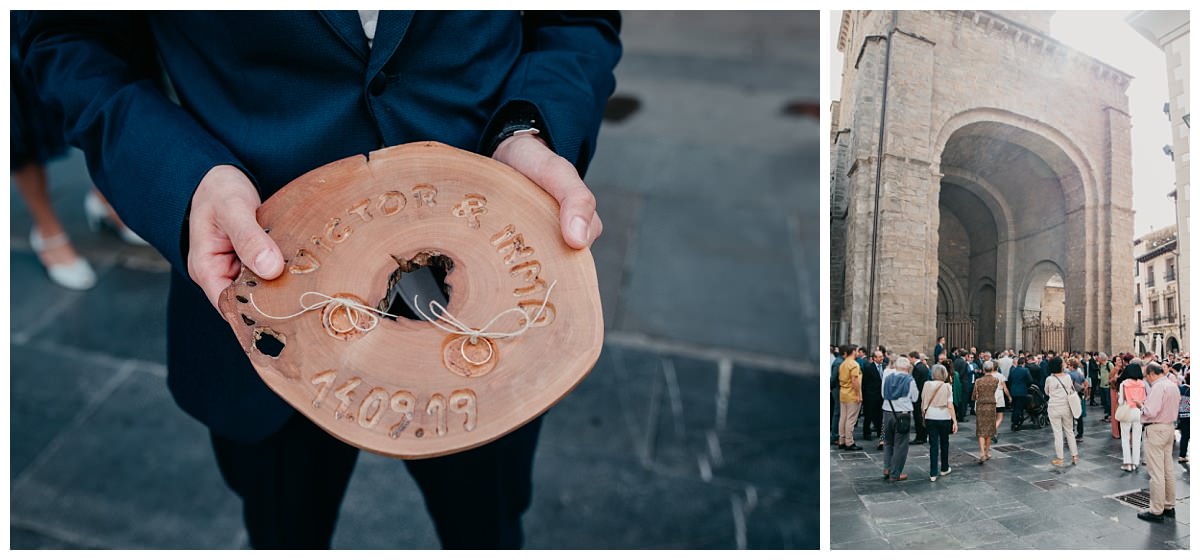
<point>379,84</point>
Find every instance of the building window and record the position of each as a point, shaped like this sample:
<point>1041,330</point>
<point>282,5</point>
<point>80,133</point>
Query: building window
<point>1149,276</point>
<point>1154,316</point>
<point>1137,294</point>
<point>1137,269</point>
<point>1139,325</point>
<point>1170,309</point>
<point>1170,269</point>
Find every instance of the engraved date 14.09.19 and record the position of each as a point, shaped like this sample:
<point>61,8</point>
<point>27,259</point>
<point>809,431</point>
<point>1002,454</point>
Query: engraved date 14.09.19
<point>369,406</point>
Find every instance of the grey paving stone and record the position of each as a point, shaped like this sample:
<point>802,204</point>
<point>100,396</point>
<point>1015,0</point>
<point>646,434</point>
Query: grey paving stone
<point>869,544</point>
<point>716,266</point>
<point>128,301</point>
<point>28,539</point>
<point>885,497</point>
<point>383,509</point>
<point>49,393</point>
<point>851,527</point>
<point>32,295</point>
<point>619,210</point>
<point>996,505</point>
<point>138,474</point>
<point>950,512</point>
<point>571,511</point>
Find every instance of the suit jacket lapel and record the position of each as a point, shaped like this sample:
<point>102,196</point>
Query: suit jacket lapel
<point>349,29</point>
<point>391,29</point>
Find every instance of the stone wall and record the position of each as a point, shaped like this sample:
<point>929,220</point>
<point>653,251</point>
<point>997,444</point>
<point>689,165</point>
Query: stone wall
<point>1051,130</point>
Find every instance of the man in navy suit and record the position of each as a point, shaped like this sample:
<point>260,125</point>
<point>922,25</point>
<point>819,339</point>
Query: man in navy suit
<point>261,98</point>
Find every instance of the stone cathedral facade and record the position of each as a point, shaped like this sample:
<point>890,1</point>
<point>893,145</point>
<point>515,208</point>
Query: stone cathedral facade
<point>975,161</point>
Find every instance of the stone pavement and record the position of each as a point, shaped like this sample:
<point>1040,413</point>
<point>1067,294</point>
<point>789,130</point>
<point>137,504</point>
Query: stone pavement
<point>1016,500</point>
<point>689,432</point>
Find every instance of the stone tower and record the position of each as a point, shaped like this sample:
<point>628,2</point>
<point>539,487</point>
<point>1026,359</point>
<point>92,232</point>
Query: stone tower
<point>975,160</point>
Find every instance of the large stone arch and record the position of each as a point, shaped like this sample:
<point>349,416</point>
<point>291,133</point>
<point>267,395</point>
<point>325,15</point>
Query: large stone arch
<point>975,144</point>
<point>954,292</point>
<point>1034,282</point>
<point>1006,231</point>
<point>1088,190</point>
<point>983,311</point>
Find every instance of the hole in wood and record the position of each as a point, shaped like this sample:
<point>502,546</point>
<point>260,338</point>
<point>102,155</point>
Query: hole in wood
<point>269,342</point>
<point>424,275</point>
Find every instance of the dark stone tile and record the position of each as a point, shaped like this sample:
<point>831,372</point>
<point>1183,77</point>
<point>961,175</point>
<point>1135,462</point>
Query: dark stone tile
<point>850,527</point>
<point>607,414</point>
<point>28,539</point>
<point>1026,523</point>
<point>846,506</point>
<point>869,544</point>
<point>779,75</point>
<point>383,509</point>
<point>619,211</point>
<point>951,512</point>
<point>126,301</point>
<point>48,392</point>
<point>1006,509</point>
<point>900,517</point>
<point>644,426</point>
<point>700,264</point>
<point>762,439</point>
<point>958,535</point>
<point>138,474</point>
<point>571,510</point>
<point>32,294</point>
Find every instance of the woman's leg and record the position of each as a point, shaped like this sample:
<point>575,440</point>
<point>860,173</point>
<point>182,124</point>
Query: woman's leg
<point>1185,434</point>
<point>34,188</point>
<point>933,430</point>
<point>1136,428</point>
<point>1126,444</point>
<point>1056,423</point>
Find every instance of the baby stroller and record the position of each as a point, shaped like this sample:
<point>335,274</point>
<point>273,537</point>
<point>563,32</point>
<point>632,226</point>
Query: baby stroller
<point>1036,410</point>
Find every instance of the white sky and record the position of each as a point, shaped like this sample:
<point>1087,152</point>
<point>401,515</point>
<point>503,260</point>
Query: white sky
<point>1106,36</point>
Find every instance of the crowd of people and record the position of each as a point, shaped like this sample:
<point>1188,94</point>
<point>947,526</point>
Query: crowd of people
<point>1144,400</point>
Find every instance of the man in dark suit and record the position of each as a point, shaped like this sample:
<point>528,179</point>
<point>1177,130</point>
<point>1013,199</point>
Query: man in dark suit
<point>261,99</point>
<point>872,395</point>
<point>937,350</point>
<point>1019,380</point>
<point>1092,368</point>
<point>920,373</point>
<point>962,370</point>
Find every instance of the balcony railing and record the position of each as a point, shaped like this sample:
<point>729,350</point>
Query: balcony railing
<point>1161,320</point>
<point>1170,276</point>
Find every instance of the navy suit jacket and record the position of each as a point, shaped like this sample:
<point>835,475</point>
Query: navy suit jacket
<point>278,94</point>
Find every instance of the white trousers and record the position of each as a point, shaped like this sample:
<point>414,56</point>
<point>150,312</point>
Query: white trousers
<point>1131,443</point>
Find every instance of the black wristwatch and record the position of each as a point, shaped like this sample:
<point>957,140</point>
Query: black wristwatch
<point>516,119</point>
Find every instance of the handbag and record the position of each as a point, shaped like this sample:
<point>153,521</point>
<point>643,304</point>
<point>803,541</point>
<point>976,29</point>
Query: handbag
<point>1072,400</point>
<point>903,420</point>
<point>1127,412</point>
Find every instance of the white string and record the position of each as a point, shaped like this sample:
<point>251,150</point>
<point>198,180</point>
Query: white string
<point>441,314</point>
<point>356,311</point>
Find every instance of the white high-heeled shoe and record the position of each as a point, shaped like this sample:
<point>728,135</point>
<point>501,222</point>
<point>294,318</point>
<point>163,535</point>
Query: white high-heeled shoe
<point>78,275</point>
<point>96,213</point>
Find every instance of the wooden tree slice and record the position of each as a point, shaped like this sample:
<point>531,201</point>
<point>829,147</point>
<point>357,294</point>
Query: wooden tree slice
<point>407,388</point>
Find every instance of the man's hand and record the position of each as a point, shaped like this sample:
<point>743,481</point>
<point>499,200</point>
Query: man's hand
<point>223,233</point>
<point>577,216</point>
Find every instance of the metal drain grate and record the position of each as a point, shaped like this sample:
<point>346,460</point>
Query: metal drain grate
<point>1051,484</point>
<point>1006,448</point>
<point>1137,498</point>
